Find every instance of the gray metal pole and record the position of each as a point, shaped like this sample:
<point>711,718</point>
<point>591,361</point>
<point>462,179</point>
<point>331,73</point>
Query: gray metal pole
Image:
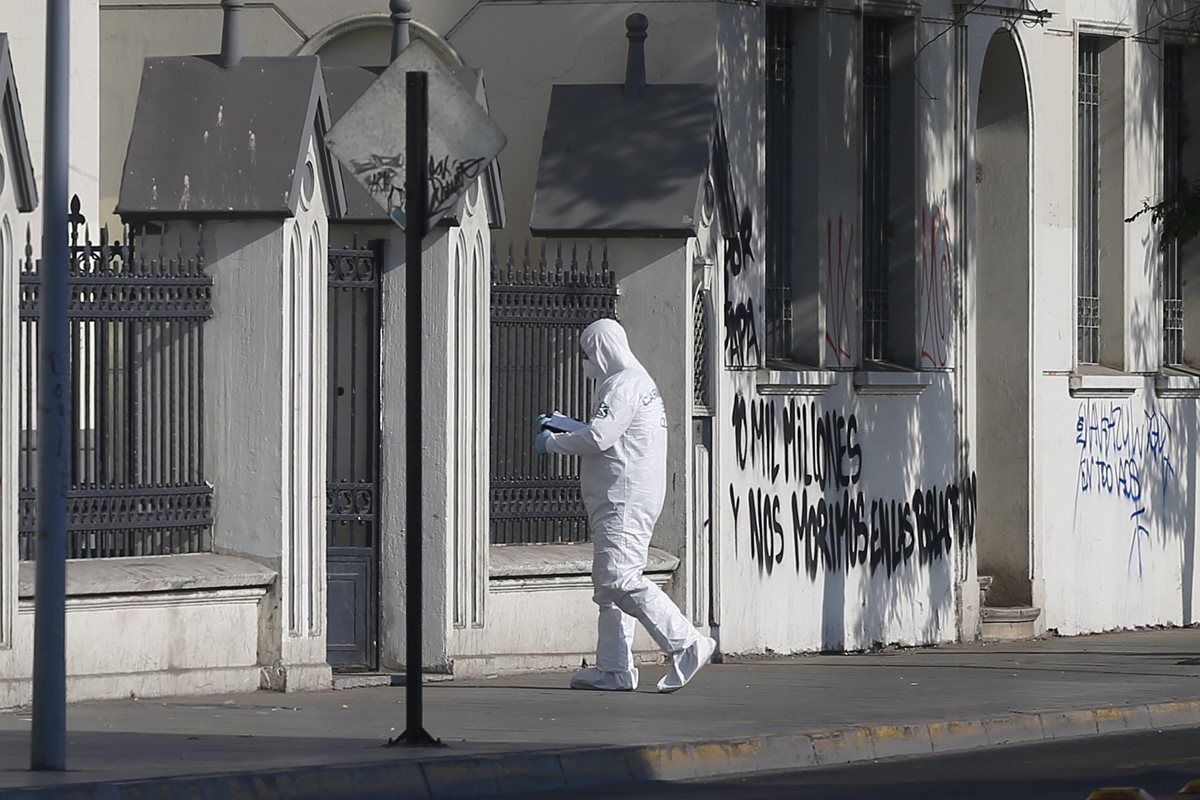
<point>49,742</point>
<point>416,88</point>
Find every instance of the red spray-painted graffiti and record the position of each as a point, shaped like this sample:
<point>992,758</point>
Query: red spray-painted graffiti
<point>837,329</point>
<point>937,259</point>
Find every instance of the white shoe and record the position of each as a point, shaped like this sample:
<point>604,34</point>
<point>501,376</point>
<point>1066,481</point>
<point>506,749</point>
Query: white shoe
<point>593,678</point>
<point>686,663</point>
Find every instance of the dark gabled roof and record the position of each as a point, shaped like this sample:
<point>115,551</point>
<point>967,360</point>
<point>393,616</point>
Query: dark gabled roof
<point>344,86</point>
<point>624,165</point>
<point>212,142</point>
<point>12,127</point>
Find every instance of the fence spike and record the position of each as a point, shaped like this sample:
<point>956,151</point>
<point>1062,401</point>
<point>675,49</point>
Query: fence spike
<point>162,248</point>
<point>604,274</point>
<point>558,262</point>
<point>74,220</point>
<point>589,266</point>
<point>200,247</point>
<point>88,253</point>
<point>105,250</point>
<point>29,248</point>
<point>175,265</point>
<point>574,258</point>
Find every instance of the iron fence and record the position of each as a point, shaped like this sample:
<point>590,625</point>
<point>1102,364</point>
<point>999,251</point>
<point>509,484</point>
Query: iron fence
<point>538,312</point>
<point>354,362</point>
<point>137,375</point>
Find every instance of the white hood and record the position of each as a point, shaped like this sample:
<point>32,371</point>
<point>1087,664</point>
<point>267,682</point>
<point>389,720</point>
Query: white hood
<point>607,347</point>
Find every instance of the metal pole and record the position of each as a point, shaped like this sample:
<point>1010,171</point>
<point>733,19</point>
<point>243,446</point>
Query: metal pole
<point>49,742</point>
<point>415,202</point>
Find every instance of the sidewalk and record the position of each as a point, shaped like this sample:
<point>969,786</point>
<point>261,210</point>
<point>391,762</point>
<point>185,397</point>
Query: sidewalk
<point>530,733</point>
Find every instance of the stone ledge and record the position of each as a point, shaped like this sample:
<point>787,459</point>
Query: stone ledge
<point>1177,384</point>
<point>151,574</point>
<point>559,560</point>
<point>892,382</point>
<point>777,381</point>
<point>1101,382</point>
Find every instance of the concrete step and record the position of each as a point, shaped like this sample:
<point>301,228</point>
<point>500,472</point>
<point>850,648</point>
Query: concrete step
<point>1008,624</point>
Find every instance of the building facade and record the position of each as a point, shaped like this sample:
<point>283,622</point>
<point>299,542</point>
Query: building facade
<point>929,376</point>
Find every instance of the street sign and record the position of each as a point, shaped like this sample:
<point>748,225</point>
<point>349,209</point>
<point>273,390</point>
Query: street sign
<point>369,139</point>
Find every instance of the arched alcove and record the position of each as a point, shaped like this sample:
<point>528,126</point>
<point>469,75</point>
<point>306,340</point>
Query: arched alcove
<point>1002,336</point>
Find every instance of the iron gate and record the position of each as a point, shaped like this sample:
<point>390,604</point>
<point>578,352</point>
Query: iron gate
<point>352,497</point>
<point>137,314</point>
<point>536,319</point>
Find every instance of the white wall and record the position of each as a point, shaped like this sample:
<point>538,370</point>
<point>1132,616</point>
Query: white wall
<point>9,395</point>
<point>27,40</point>
<point>265,417</point>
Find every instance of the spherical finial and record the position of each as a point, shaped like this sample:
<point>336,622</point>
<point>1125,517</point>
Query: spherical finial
<point>401,6</point>
<point>637,23</point>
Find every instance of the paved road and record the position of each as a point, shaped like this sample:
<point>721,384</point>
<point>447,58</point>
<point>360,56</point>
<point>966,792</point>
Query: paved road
<point>1159,762</point>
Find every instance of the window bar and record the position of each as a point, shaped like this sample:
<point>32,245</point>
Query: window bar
<point>1173,183</point>
<point>779,181</point>
<point>876,168</point>
<point>1089,189</point>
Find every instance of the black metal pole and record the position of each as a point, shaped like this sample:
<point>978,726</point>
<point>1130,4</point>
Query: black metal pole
<point>415,203</point>
<point>48,750</point>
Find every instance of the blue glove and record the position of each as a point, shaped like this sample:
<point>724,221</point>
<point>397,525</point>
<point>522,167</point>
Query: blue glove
<point>542,420</point>
<point>539,444</point>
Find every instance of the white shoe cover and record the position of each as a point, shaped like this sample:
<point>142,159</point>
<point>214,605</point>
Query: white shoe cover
<point>686,663</point>
<point>592,678</point>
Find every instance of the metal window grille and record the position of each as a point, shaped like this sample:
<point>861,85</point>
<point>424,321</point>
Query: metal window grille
<point>537,316</point>
<point>1089,201</point>
<point>701,355</point>
<point>1173,183</point>
<point>137,319</point>
<point>876,177</point>
<point>779,181</point>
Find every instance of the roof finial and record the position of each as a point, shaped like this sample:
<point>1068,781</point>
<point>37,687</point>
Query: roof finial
<point>231,32</point>
<point>636,26</point>
<point>401,16</point>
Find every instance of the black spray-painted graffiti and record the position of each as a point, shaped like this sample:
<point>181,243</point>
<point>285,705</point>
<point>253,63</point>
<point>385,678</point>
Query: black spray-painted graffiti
<point>741,335</point>
<point>741,332</point>
<point>820,515</point>
<point>1125,455</point>
<point>447,180</point>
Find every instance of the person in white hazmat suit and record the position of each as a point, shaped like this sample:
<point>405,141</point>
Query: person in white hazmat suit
<point>623,471</point>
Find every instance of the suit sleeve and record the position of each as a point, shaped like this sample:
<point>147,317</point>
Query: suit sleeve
<point>614,414</point>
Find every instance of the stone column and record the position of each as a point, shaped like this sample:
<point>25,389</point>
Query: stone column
<point>10,372</point>
<point>265,417</point>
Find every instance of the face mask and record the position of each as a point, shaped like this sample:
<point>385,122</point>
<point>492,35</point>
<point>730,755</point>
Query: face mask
<point>591,370</point>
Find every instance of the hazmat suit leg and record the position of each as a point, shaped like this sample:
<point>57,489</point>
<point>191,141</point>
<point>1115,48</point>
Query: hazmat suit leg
<point>618,580</point>
<point>614,642</point>
<point>614,670</point>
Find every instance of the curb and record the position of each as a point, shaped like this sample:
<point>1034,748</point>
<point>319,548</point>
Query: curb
<point>523,773</point>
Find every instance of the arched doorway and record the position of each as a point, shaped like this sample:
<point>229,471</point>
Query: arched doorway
<point>1002,336</point>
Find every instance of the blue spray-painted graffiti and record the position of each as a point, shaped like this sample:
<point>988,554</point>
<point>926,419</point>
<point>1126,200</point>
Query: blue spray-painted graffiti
<point>1125,454</point>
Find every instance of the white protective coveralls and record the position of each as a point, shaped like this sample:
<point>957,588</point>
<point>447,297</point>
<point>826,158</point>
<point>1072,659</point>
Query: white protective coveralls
<point>623,473</point>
